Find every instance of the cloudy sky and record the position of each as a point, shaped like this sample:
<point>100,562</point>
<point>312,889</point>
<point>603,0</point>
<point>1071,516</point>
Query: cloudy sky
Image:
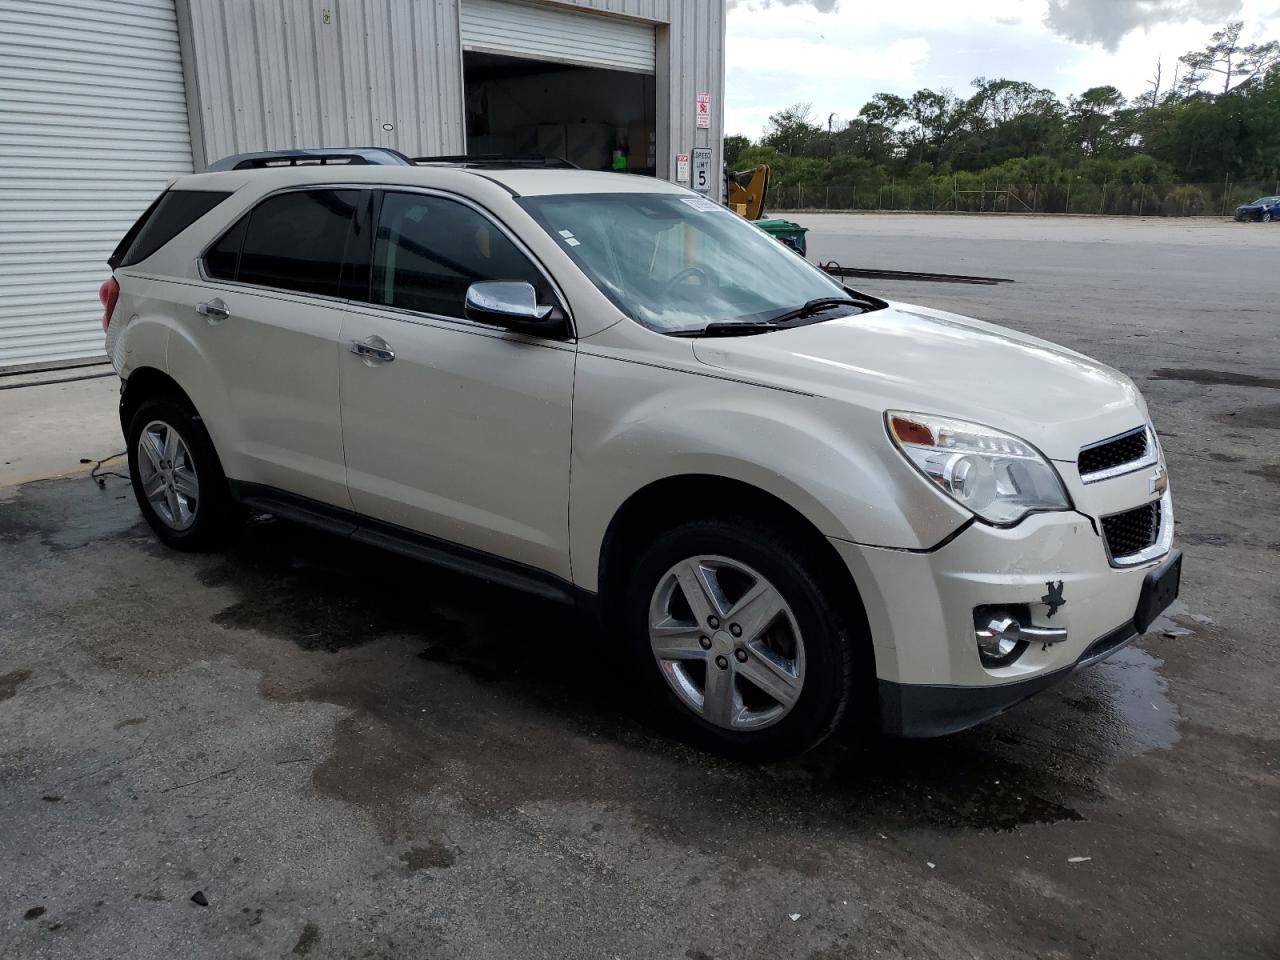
<point>837,53</point>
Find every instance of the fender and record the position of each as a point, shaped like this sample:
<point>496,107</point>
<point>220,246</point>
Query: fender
<point>637,424</point>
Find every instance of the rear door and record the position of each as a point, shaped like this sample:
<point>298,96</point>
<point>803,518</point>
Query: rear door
<point>460,430</point>
<point>265,329</point>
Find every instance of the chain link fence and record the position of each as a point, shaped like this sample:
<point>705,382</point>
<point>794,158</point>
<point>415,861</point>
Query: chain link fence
<point>1076,197</point>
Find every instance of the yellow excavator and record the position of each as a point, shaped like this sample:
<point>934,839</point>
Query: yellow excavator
<point>747,190</point>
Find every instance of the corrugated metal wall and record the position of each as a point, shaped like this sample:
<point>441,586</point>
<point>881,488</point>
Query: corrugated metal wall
<point>319,73</point>
<point>93,123</point>
<point>293,73</point>
<point>537,31</point>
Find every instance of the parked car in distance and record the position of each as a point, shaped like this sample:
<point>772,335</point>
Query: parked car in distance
<point>1264,209</point>
<point>790,502</point>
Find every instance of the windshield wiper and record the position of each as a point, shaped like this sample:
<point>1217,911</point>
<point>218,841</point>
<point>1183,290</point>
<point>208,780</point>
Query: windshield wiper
<point>815,306</point>
<point>745,328</point>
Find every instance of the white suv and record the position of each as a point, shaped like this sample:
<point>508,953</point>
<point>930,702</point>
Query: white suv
<point>791,502</point>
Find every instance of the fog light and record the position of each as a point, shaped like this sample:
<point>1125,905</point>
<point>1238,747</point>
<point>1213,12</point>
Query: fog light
<point>1004,633</point>
<point>999,635</point>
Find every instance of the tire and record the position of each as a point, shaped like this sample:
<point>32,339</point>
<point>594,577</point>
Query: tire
<point>204,510</point>
<point>732,552</point>
<point>1266,216</point>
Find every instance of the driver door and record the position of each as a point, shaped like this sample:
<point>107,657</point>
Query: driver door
<point>452,429</point>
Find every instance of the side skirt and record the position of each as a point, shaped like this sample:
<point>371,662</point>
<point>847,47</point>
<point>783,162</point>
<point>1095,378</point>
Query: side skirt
<point>409,543</point>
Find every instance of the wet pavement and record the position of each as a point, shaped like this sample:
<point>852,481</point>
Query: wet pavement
<point>352,755</point>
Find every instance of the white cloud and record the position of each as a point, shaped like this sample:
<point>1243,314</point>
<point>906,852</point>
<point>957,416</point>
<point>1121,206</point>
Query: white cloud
<point>794,55</point>
<point>782,52</point>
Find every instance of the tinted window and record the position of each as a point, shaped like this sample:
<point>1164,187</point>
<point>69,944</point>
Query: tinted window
<point>429,250</point>
<point>295,240</point>
<point>171,213</point>
<point>224,256</point>
<point>355,268</point>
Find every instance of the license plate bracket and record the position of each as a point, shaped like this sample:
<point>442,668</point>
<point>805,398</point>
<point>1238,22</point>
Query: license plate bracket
<point>1159,589</point>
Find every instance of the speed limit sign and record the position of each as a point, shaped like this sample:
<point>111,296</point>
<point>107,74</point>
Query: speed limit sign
<point>702,169</point>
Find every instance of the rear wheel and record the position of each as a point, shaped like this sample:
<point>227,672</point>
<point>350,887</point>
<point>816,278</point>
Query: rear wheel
<point>741,650</point>
<point>177,479</point>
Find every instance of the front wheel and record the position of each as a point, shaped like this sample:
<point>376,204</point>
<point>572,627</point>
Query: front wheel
<point>740,647</point>
<point>1266,216</point>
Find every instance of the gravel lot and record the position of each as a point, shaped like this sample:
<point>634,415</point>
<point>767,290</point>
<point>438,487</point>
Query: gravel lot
<point>351,755</point>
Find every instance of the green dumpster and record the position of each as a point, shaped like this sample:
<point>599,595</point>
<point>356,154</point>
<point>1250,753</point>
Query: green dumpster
<point>792,234</point>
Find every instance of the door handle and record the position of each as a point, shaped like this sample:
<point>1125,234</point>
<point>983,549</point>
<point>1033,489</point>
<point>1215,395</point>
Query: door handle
<point>374,348</point>
<point>214,311</point>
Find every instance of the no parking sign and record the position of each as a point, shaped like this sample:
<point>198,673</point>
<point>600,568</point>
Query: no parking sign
<point>704,111</point>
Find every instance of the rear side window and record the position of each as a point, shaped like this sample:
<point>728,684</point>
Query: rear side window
<point>295,240</point>
<point>172,212</point>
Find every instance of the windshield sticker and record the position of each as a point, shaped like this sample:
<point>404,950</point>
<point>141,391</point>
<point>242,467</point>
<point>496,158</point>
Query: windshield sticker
<point>567,234</point>
<point>572,242</point>
<point>701,204</point>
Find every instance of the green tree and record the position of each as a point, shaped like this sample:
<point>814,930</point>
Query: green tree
<point>1226,56</point>
<point>1092,118</point>
<point>792,131</point>
<point>733,147</point>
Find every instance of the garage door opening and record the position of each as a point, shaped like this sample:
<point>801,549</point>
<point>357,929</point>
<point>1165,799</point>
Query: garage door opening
<point>595,118</point>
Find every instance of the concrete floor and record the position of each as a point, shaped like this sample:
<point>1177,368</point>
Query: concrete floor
<point>350,755</point>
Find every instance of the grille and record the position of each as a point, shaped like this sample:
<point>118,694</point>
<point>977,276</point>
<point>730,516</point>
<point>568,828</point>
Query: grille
<point>1132,531</point>
<point>1128,448</point>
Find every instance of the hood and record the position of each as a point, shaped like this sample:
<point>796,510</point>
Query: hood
<point>927,361</point>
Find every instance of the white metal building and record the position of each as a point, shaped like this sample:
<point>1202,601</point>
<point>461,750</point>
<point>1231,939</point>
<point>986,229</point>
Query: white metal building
<point>103,101</point>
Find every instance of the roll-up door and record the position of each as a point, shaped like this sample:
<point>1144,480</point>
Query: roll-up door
<point>93,123</point>
<point>564,36</point>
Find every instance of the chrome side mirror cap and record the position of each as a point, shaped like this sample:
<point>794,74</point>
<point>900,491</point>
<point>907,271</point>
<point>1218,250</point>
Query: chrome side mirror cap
<point>507,303</point>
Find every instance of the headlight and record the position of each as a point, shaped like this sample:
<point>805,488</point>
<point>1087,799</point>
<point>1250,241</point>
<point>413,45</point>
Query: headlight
<point>997,476</point>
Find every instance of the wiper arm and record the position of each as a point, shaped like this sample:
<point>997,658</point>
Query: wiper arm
<point>815,306</point>
<point>745,328</point>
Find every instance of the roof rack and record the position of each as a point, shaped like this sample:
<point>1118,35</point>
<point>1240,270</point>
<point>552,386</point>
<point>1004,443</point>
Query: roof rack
<point>498,161</point>
<point>357,156</point>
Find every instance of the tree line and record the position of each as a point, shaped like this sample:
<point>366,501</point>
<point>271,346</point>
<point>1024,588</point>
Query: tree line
<point>1214,118</point>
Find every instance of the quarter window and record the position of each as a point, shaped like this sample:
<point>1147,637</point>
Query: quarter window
<point>428,250</point>
<point>295,240</point>
<point>222,259</point>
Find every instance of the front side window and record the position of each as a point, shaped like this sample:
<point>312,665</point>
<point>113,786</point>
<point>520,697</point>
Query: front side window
<point>429,250</point>
<point>296,240</point>
<point>676,263</point>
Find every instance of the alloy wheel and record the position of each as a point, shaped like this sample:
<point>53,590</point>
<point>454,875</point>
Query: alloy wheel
<point>168,475</point>
<point>727,642</point>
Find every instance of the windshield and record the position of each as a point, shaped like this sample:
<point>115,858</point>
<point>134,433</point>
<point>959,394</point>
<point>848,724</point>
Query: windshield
<point>676,263</point>
<point>1264,200</point>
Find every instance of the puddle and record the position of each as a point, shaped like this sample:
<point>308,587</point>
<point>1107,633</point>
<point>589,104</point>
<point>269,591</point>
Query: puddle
<point>474,695</point>
<point>1269,472</point>
<point>545,713</point>
<point>41,509</point>
<point>10,682</point>
<point>1215,377</point>
<point>1266,416</point>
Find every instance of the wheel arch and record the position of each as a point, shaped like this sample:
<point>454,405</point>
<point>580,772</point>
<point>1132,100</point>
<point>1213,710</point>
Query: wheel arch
<point>143,384</point>
<point>671,500</point>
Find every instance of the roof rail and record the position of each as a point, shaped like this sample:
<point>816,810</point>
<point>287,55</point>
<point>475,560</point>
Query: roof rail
<point>358,156</point>
<point>500,161</point>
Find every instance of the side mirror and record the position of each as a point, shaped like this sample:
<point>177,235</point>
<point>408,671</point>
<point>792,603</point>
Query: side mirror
<point>507,303</point>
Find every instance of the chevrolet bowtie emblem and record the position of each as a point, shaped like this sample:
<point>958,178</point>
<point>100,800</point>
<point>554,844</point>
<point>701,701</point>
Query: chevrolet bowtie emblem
<point>1158,482</point>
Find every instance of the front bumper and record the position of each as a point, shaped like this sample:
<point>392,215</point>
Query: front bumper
<point>920,610</point>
